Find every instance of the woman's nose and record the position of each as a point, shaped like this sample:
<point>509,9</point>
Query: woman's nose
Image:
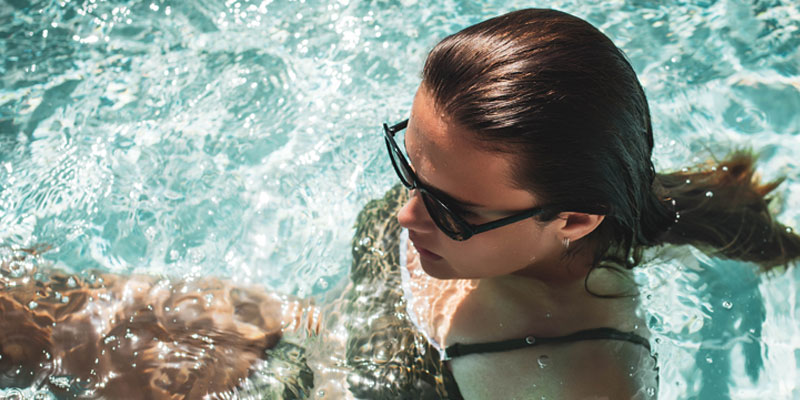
<point>414,216</point>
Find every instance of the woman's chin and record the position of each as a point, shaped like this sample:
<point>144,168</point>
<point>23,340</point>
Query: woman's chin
<point>438,269</point>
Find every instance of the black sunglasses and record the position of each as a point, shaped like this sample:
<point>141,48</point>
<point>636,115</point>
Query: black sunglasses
<point>442,214</point>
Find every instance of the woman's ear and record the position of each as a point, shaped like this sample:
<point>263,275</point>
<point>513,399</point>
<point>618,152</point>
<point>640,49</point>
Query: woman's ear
<point>575,225</point>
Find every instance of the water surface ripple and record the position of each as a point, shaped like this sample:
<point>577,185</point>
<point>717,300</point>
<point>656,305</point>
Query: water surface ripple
<point>239,139</point>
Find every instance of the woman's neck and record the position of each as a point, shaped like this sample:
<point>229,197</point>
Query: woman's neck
<point>552,301</point>
<point>549,300</point>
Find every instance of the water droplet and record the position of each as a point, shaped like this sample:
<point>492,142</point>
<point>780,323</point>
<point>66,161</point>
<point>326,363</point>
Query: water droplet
<point>62,382</point>
<point>651,391</point>
<point>32,305</point>
<point>789,230</point>
<point>724,168</point>
<point>714,168</point>
<point>688,181</point>
<point>709,194</point>
<point>544,361</point>
<point>14,394</point>
<point>709,360</point>
<point>365,241</point>
<point>71,283</point>
<point>727,304</point>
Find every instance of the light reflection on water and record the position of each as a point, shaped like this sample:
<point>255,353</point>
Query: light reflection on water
<point>240,139</point>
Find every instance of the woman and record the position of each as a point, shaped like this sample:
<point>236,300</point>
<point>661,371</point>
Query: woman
<point>532,196</point>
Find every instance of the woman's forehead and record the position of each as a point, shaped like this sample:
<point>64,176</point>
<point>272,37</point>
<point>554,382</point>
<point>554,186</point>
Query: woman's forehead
<point>445,157</point>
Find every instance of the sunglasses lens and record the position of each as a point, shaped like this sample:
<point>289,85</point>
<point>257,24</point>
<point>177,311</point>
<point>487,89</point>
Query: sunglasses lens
<point>444,218</point>
<point>399,165</point>
<point>441,215</point>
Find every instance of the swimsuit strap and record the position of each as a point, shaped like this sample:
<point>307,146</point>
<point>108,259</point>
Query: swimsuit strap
<point>458,349</point>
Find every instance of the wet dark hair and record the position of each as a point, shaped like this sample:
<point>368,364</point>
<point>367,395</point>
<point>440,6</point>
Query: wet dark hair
<point>557,95</point>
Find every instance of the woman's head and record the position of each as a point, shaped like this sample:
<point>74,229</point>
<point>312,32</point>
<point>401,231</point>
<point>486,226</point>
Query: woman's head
<point>537,108</point>
<point>556,99</point>
<point>478,185</point>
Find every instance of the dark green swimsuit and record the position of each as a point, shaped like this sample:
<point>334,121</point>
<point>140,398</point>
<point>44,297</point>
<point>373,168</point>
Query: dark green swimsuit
<point>459,350</point>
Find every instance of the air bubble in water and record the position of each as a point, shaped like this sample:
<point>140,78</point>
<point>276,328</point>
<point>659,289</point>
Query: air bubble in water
<point>544,361</point>
<point>42,396</point>
<point>365,241</point>
<point>651,391</point>
<point>16,269</point>
<point>71,282</point>
<point>32,305</point>
<point>709,194</point>
<point>727,304</point>
<point>709,360</point>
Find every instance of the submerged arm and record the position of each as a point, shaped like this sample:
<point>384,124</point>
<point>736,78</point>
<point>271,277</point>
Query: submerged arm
<point>121,336</point>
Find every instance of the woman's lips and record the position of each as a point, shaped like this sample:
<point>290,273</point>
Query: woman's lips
<point>423,252</point>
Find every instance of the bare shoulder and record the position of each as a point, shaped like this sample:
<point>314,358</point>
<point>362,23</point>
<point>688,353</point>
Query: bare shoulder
<point>581,370</point>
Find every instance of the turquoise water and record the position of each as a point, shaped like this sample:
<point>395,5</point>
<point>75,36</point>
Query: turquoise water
<point>240,139</point>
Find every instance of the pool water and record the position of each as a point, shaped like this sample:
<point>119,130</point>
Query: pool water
<point>240,139</point>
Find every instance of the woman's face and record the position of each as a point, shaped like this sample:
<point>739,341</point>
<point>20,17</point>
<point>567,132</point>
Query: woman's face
<point>444,157</point>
